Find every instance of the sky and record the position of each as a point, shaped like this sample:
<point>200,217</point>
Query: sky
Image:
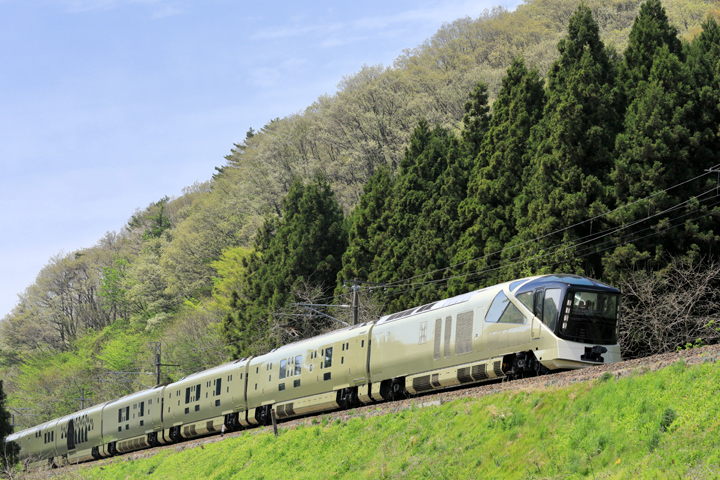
<point>109,105</point>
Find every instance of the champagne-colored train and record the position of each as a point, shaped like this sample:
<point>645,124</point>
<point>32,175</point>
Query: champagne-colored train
<point>526,327</point>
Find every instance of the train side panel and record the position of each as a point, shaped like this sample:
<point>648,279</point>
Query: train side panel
<point>201,403</point>
<point>132,422</point>
<point>305,377</point>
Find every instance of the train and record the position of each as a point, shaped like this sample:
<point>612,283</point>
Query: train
<point>525,327</point>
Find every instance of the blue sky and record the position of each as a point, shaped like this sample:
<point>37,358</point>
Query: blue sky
<point>108,105</point>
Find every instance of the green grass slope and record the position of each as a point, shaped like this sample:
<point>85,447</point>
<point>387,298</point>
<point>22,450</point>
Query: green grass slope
<point>654,425</point>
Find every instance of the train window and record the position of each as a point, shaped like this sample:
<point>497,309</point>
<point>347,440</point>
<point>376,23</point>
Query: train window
<point>217,403</point>
<point>218,386</point>
<point>342,360</point>
<point>256,386</point>
<point>298,364</point>
<point>283,365</point>
<point>187,410</point>
<point>142,408</point>
<point>512,315</point>
<point>362,344</point>
<point>120,429</point>
<point>127,413</point>
<point>497,308</point>
<point>257,369</point>
<point>120,415</point>
<point>197,392</point>
<point>447,336</point>
<point>296,383</point>
<point>538,304</point>
<point>343,347</point>
<point>281,387</point>
<point>197,408</point>
<point>327,376</point>
<point>526,298</point>
<point>438,332</point>
<point>328,357</point>
<point>551,307</point>
<point>187,395</point>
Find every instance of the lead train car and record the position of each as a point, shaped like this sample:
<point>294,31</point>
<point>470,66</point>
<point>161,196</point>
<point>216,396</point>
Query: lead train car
<point>525,327</point>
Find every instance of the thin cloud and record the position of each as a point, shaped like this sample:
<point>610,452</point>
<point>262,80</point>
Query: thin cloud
<point>78,6</point>
<point>378,24</point>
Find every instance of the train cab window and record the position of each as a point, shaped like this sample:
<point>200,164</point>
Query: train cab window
<point>526,298</point>
<point>551,307</point>
<point>328,357</point>
<point>538,304</point>
<point>504,311</point>
<point>298,364</point>
<point>283,366</point>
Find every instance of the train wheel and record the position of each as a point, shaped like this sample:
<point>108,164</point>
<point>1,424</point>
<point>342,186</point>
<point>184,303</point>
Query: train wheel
<point>262,415</point>
<point>175,434</point>
<point>393,389</point>
<point>232,423</point>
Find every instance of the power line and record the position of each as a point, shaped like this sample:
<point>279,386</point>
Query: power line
<point>556,231</point>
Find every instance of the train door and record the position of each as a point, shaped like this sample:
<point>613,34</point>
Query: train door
<point>71,435</point>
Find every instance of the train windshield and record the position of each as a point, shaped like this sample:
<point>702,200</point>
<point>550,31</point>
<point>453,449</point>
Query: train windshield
<point>590,317</point>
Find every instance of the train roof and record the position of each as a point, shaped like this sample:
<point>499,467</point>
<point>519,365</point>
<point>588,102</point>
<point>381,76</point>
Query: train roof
<point>574,280</point>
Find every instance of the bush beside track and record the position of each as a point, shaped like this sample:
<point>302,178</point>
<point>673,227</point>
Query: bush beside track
<point>655,417</point>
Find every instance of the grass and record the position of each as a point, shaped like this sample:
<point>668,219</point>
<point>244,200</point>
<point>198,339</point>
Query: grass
<point>656,425</point>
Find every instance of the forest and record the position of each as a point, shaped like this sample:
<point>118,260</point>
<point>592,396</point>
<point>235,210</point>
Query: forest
<point>559,137</point>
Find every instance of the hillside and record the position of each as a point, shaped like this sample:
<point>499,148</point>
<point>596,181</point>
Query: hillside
<point>651,418</point>
<point>553,138</point>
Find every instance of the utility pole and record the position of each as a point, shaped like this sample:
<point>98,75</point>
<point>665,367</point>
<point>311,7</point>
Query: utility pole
<point>158,363</point>
<point>356,295</point>
<point>82,399</point>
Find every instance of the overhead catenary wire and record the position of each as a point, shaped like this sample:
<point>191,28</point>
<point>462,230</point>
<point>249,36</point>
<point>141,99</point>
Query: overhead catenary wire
<point>389,284</point>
